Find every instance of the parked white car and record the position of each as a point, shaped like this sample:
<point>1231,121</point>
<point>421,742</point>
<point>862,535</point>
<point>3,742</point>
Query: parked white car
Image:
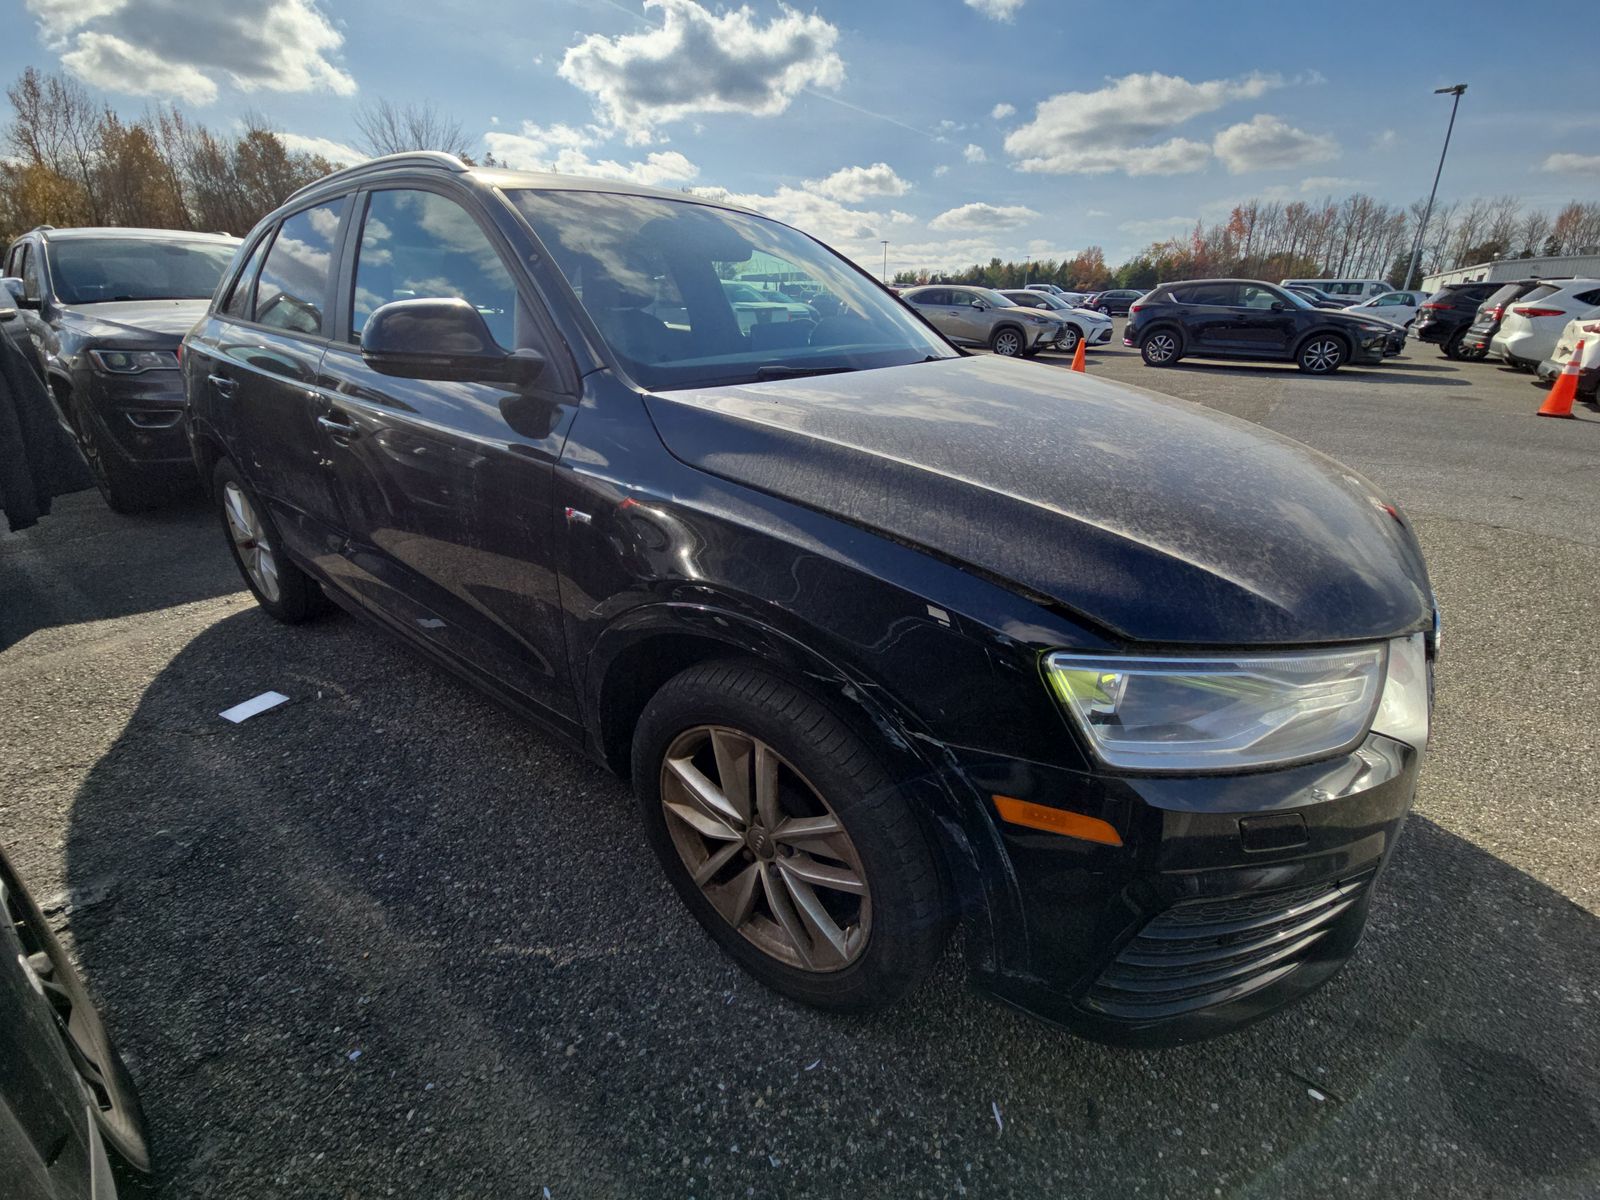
<point>1076,323</point>
<point>1353,290</point>
<point>1398,307</point>
<point>1532,326</point>
<point>1584,330</point>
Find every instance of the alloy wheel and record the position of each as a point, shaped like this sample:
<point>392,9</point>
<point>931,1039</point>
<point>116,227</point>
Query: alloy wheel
<point>765,848</point>
<point>1322,355</point>
<point>1007,344</point>
<point>250,541</point>
<point>1068,339</point>
<point>1160,348</point>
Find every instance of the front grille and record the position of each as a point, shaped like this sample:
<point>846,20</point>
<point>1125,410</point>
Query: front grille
<point>1204,952</point>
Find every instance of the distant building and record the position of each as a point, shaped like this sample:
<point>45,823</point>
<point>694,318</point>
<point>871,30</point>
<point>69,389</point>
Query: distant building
<point>1573,266</point>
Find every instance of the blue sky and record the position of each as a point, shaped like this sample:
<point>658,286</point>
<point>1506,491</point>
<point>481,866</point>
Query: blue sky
<point>956,129</point>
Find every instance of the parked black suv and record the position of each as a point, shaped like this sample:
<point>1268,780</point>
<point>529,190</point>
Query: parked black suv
<point>117,302</point>
<point>1449,312</point>
<point>883,633</point>
<point>1489,316</point>
<point>1249,319</point>
<point>1114,303</point>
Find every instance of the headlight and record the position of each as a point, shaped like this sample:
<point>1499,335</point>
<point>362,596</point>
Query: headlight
<point>1033,320</point>
<point>1246,710</point>
<point>131,362</point>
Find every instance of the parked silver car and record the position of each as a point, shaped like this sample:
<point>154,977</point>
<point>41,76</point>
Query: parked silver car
<point>978,316</point>
<point>1077,324</point>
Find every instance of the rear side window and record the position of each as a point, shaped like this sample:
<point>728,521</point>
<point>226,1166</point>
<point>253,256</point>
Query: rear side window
<point>1225,294</point>
<point>292,293</point>
<point>238,304</point>
<point>1591,297</point>
<point>930,296</point>
<point>417,244</point>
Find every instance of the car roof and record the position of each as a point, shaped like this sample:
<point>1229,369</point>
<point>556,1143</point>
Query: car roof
<point>429,161</point>
<point>120,231</point>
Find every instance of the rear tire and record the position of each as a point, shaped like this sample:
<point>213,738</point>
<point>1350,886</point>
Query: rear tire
<point>1454,347</point>
<point>1007,342</point>
<point>279,586</point>
<point>1161,347</point>
<point>871,945</point>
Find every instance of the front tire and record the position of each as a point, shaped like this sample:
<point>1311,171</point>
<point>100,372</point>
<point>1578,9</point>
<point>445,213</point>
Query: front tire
<point>124,487</point>
<point>1007,342</point>
<point>1160,348</point>
<point>1069,339</point>
<point>283,589</point>
<point>786,838</point>
<point>1322,354</point>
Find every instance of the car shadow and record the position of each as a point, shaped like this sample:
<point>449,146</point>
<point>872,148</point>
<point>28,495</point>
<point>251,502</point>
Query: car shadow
<point>155,569</point>
<point>388,939</point>
<point>1419,373</point>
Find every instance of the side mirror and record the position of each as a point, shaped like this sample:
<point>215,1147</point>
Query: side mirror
<point>980,304</point>
<point>18,291</point>
<point>442,338</point>
<point>1279,306</point>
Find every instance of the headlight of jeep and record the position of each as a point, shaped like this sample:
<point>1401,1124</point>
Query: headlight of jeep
<point>131,362</point>
<point>1221,713</point>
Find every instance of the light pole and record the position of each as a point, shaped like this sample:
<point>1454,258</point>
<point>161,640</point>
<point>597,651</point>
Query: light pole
<point>1416,249</point>
<point>1027,270</point>
<point>885,276</point>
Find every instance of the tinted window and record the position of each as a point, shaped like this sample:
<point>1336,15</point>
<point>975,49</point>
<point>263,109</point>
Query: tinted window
<point>238,304</point>
<point>292,292</point>
<point>1590,297</point>
<point>1540,292</point>
<point>90,270</point>
<point>1207,293</point>
<point>419,244</point>
<point>34,285</point>
<point>1253,295</point>
<point>930,296</point>
<point>1504,296</point>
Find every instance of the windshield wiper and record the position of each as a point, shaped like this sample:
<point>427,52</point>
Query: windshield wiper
<point>781,371</point>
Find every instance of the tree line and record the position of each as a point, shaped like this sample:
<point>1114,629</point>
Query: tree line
<point>66,159</point>
<point>1357,237</point>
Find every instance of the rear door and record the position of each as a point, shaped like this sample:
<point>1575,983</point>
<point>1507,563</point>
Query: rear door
<point>446,487</point>
<point>1208,311</point>
<point>262,352</point>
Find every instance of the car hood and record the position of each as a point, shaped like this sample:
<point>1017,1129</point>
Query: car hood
<point>159,322</point>
<point>1153,518</point>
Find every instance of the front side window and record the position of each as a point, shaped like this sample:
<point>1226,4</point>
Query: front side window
<point>1254,296</point>
<point>417,244</point>
<point>650,273</point>
<point>292,292</point>
<point>92,270</point>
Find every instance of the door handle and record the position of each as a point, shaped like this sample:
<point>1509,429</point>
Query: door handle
<point>339,427</point>
<point>224,386</point>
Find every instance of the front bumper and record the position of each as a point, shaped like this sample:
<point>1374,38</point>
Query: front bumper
<point>141,414</point>
<point>1371,348</point>
<point>1230,897</point>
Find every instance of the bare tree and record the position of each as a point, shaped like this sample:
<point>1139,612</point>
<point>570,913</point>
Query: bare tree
<point>389,128</point>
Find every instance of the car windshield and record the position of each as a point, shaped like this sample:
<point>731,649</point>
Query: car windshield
<point>1045,298</point>
<point>990,296</point>
<point>90,270</point>
<point>662,280</point>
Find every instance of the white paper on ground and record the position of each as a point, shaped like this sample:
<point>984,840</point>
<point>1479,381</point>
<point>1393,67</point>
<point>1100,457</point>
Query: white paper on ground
<point>243,712</point>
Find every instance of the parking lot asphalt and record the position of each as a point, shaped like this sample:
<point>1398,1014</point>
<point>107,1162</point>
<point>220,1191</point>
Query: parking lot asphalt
<point>386,940</point>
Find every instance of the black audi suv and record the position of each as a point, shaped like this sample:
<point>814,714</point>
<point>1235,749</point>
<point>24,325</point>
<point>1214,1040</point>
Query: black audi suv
<point>886,636</point>
<point>116,303</point>
<point>1248,319</point>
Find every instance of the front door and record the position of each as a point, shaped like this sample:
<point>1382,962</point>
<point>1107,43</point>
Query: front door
<point>446,487</point>
<point>1263,324</point>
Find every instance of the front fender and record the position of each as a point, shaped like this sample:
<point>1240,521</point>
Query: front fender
<point>655,640</point>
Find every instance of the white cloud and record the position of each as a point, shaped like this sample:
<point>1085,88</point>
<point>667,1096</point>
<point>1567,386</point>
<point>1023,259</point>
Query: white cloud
<point>974,154</point>
<point>1573,164</point>
<point>1330,183</point>
<point>941,170</point>
<point>565,149</point>
<point>1001,111</point>
<point>1093,133</point>
<point>184,48</point>
<point>857,183</point>
<point>1158,227</point>
<point>1096,212</point>
<point>851,231</point>
<point>700,62</point>
<point>335,152</point>
<point>997,10</point>
<point>1388,139</point>
<point>983,216</point>
<point>1266,142</point>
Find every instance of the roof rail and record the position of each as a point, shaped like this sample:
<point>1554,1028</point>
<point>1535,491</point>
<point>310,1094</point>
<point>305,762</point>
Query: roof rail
<point>41,228</point>
<point>412,158</point>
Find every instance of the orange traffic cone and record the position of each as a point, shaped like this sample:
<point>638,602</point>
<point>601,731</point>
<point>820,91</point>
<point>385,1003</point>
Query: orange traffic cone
<point>1077,357</point>
<point>1565,389</point>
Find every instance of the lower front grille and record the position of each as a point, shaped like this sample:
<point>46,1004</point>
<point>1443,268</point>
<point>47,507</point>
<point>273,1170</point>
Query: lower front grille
<point>1205,952</point>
